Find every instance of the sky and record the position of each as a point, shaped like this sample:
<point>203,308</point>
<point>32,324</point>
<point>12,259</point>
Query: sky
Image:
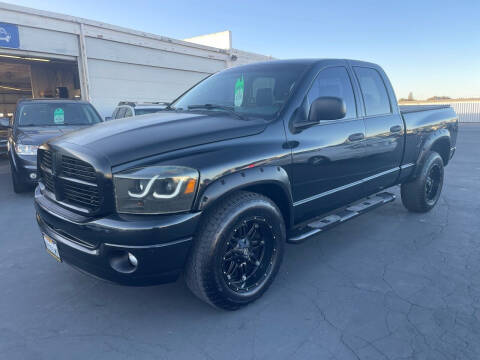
<point>429,48</point>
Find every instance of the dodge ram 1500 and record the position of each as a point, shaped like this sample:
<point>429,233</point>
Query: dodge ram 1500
<point>249,159</point>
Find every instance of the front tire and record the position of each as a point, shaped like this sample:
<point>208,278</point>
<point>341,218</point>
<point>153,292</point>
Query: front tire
<point>237,252</point>
<point>422,194</point>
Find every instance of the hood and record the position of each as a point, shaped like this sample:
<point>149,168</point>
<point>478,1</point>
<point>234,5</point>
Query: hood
<point>134,138</point>
<point>39,135</point>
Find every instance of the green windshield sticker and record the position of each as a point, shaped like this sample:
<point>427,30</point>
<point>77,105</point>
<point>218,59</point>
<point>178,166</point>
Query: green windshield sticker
<point>239,87</point>
<point>59,116</point>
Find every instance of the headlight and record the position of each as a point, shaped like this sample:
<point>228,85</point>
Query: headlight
<point>155,189</point>
<point>26,149</point>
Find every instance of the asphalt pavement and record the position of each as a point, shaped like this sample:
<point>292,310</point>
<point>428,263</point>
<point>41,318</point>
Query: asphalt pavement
<point>387,285</point>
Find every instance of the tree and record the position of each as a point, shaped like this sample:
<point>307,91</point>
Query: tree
<point>439,98</point>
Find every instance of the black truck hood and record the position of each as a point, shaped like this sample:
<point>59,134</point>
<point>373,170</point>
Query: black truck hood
<point>130,139</point>
<point>39,135</point>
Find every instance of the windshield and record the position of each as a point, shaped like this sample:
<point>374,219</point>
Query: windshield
<point>252,90</point>
<point>57,114</point>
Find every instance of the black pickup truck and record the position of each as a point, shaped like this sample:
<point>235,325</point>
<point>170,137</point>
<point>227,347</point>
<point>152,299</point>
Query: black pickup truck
<point>247,160</point>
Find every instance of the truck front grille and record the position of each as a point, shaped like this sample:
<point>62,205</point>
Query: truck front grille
<point>46,159</point>
<point>46,169</point>
<point>78,169</point>
<point>48,181</point>
<point>82,195</point>
<point>70,181</point>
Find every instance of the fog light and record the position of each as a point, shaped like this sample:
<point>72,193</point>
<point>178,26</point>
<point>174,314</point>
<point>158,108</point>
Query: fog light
<point>123,262</point>
<point>33,176</point>
<point>133,260</point>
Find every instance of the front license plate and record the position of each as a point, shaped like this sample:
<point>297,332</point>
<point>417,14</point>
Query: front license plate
<point>51,246</point>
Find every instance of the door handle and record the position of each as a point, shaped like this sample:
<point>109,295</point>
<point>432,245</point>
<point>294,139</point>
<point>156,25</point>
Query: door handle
<point>396,128</point>
<point>356,137</point>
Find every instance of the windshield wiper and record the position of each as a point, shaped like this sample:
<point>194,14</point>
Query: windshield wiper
<point>229,109</point>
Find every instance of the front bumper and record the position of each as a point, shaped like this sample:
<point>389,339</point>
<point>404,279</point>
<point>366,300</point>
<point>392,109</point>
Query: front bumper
<point>452,152</point>
<point>100,246</point>
<point>24,165</point>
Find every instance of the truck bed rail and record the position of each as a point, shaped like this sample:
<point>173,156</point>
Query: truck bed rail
<point>416,108</point>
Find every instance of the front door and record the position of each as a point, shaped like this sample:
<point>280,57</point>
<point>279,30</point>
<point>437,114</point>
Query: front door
<point>328,157</point>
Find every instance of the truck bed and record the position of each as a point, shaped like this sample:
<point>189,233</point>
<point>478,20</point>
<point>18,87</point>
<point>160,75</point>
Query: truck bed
<point>404,109</point>
<point>421,121</point>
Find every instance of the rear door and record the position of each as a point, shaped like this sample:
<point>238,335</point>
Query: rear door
<point>384,140</point>
<point>328,157</point>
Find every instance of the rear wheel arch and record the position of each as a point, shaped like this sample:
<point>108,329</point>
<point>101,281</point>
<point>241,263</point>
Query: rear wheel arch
<point>442,147</point>
<point>438,142</point>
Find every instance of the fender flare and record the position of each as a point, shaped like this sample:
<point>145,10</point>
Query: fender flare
<point>438,135</point>
<point>241,179</point>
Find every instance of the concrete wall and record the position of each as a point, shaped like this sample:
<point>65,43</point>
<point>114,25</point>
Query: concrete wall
<point>140,69</point>
<point>116,63</point>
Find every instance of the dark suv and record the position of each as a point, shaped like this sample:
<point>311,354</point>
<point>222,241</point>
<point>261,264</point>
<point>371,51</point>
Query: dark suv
<point>36,121</point>
<point>3,134</point>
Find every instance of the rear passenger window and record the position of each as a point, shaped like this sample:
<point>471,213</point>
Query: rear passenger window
<point>121,112</point>
<point>375,96</point>
<point>335,81</point>
<point>128,112</point>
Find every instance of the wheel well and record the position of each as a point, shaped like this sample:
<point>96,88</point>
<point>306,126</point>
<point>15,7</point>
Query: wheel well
<point>277,195</point>
<point>442,146</point>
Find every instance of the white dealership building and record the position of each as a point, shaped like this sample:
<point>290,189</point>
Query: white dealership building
<point>43,54</point>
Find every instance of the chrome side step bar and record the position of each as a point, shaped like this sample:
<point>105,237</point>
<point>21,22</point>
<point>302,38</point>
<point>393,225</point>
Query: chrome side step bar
<point>323,224</point>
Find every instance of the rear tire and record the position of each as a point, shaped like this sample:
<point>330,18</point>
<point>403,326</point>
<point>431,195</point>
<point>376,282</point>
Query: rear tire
<point>422,194</point>
<point>237,252</point>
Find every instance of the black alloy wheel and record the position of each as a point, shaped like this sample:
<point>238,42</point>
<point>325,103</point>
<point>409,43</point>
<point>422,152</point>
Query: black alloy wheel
<point>422,192</point>
<point>432,183</point>
<point>237,250</point>
<point>249,255</point>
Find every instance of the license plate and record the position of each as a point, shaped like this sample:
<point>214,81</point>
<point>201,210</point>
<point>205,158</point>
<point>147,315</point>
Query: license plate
<point>51,246</point>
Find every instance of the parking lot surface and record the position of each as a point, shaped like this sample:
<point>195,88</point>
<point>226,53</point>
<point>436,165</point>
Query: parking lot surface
<point>387,285</point>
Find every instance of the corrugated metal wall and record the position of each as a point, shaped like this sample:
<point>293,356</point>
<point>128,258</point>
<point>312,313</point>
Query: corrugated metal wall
<point>467,111</point>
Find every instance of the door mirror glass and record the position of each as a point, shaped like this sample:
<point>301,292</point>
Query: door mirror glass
<point>327,108</point>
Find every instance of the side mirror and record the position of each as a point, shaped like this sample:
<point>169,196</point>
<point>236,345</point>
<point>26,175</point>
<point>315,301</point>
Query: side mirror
<point>327,108</point>
<point>108,118</point>
<point>4,123</point>
<point>323,108</point>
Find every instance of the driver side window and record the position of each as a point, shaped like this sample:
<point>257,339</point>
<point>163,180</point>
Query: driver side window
<point>334,81</point>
